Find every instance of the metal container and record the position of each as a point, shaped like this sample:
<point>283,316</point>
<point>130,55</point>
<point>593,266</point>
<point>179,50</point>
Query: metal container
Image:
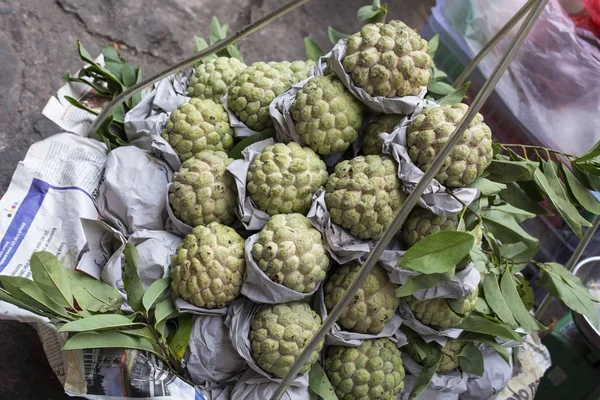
<point>588,271</point>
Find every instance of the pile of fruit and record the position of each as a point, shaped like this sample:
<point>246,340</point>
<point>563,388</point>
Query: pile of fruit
<point>387,319</point>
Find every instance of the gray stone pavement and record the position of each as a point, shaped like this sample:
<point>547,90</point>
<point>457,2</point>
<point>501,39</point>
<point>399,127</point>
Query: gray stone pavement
<point>37,47</point>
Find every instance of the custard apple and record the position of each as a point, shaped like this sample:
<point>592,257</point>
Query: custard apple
<point>326,115</point>
<point>388,60</point>
<point>291,252</point>
<point>372,371</point>
<point>212,78</point>
<point>421,223</point>
<point>300,68</point>
<point>372,143</point>
<point>280,332</point>
<point>198,125</point>
<point>202,191</point>
<point>430,131</point>
<point>364,195</point>
<point>254,89</point>
<point>450,352</point>
<point>284,177</point>
<point>208,268</point>
<point>442,313</point>
<point>373,305</point>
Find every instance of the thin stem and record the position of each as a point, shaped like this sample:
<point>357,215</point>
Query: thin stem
<point>525,146</point>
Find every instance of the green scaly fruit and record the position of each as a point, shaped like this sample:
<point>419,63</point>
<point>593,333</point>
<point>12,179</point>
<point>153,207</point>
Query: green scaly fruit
<point>442,313</point>
<point>212,78</point>
<point>372,143</point>
<point>198,125</point>
<point>388,60</point>
<point>208,268</point>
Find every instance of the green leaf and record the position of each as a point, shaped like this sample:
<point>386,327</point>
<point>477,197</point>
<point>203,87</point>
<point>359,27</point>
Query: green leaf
<point>516,196</point>
<point>455,97</point>
<point>77,104</point>
<point>313,51</point>
<point>131,278</point>
<point>50,276</point>
<point>5,296</point>
<point>155,293</point>
<point>336,36</point>
<point>178,343</point>
<point>201,43</point>
<point>165,310</point>
<point>590,155</point>
<point>144,332</point>
<point>28,292</point>
<point>370,14</point>
<point>471,360</point>
<point>478,323</point>
<point>548,182</point>
<point>236,152</point>
<point>94,295</point>
<point>107,339</point>
<point>506,171</point>
<point>490,341</point>
<point>505,227</point>
<point>515,304</point>
<point>437,253</point>
<point>216,34</point>
<point>566,287</point>
<point>110,54</point>
<point>494,298</point>
<point>437,74</point>
<point>319,383</point>
<point>579,192</point>
<point>84,55</point>
<point>234,52</point>
<point>97,323</point>
<point>434,42</point>
<point>482,306</point>
<point>487,187</point>
<point>439,88</point>
<point>423,281</point>
<point>424,379</point>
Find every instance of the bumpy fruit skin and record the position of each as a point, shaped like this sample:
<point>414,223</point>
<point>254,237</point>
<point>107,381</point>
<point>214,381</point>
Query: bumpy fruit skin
<point>284,177</point>
<point>372,143</point>
<point>326,115</point>
<point>421,223</point>
<point>388,60</point>
<point>198,125</point>
<point>212,78</point>
<point>202,191</point>
<point>291,252</point>
<point>438,313</point>
<point>280,332</point>
<point>450,353</point>
<point>254,89</point>
<point>430,131</point>
<point>372,371</point>
<point>364,195</point>
<point>373,305</point>
<point>299,68</point>
<point>208,267</point>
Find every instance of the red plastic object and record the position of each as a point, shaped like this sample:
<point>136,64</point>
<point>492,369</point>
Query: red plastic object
<point>590,18</point>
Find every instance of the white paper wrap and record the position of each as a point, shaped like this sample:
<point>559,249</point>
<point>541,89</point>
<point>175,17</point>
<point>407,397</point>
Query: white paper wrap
<point>496,374</point>
<point>133,193</point>
<point>210,358</point>
<point>435,197</point>
<point>338,336</point>
<point>396,105</point>
<point>145,122</point>
<point>240,130</point>
<point>252,218</point>
<point>285,129</point>
<point>259,288</point>
<point>256,383</point>
<point>442,387</point>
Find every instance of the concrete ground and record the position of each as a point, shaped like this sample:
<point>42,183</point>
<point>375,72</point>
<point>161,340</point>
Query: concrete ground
<point>37,47</point>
